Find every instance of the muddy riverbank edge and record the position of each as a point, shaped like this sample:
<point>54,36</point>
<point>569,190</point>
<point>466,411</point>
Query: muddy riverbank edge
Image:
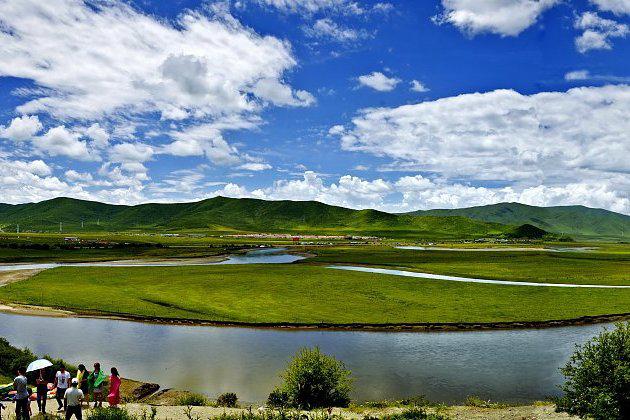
<point>32,310</point>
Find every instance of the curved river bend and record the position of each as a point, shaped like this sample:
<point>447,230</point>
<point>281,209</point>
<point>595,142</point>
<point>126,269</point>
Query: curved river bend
<point>518,365</point>
<point>514,366</point>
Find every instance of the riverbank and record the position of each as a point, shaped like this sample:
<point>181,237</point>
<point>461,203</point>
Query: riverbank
<point>46,311</point>
<point>141,399</point>
<point>306,296</point>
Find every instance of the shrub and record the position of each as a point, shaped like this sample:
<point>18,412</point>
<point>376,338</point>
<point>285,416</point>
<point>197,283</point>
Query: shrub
<point>278,415</point>
<point>195,400</point>
<point>110,414</point>
<point>228,399</point>
<point>278,399</point>
<point>315,380</point>
<point>378,404</point>
<point>415,401</point>
<point>418,400</point>
<point>149,416</point>
<point>12,358</point>
<point>598,377</point>
<point>415,413</point>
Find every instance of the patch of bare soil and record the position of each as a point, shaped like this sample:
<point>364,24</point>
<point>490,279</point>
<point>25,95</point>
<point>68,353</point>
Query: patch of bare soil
<point>34,310</point>
<point>8,277</point>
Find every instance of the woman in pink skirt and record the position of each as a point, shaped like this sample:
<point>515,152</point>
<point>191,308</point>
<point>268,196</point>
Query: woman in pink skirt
<point>114,388</point>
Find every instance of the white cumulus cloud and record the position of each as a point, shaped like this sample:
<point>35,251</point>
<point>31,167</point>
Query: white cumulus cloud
<point>409,193</point>
<point>22,128</point>
<point>501,17</point>
<point>60,141</point>
<point>378,81</point>
<point>201,65</point>
<point>618,7</point>
<point>417,86</point>
<point>549,138</point>
<point>255,166</point>
<point>597,32</point>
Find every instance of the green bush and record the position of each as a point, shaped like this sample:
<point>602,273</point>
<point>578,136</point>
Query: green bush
<point>228,399</point>
<point>598,377</point>
<point>278,399</point>
<point>110,414</point>
<point>195,400</point>
<point>418,400</point>
<point>415,413</point>
<point>415,401</point>
<point>278,415</point>
<point>315,380</point>
<point>379,404</point>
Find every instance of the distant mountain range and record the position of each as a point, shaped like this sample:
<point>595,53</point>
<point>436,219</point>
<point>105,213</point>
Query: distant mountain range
<point>231,215</point>
<point>569,220</point>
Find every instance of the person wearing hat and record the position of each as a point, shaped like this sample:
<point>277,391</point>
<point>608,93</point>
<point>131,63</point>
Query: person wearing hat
<point>74,396</point>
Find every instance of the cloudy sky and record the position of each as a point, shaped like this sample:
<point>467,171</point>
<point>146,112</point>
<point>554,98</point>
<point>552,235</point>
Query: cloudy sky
<point>395,105</point>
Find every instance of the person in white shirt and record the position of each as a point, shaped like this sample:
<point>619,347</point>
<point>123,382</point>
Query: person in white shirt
<point>62,382</point>
<point>74,396</point>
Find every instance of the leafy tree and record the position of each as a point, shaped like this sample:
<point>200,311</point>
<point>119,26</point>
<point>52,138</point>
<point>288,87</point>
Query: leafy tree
<point>314,380</point>
<point>598,377</point>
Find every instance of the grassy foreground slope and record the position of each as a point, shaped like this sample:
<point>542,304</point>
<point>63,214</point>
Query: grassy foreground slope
<point>530,266</point>
<point>301,293</point>
<point>238,215</point>
<point>570,220</point>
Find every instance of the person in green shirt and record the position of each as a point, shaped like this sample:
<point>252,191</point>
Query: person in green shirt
<point>96,382</point>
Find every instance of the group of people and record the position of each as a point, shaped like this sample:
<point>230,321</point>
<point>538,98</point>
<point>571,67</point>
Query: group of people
<point>70,393</point>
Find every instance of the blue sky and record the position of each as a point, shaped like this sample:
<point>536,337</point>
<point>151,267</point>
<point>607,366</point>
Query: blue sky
<point>397,105</point>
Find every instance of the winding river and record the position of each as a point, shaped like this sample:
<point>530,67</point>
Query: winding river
<point>517,365</point>
<point>512,365</point>
<point>258,256</point>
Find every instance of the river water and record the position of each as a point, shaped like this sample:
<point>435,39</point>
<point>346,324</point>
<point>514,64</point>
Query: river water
<point>518,365</point>
<point>515,366</point>
<point>258,256</point>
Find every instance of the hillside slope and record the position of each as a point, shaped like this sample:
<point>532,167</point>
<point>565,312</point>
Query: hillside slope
<point>237,215</point>
<point>570,220</point>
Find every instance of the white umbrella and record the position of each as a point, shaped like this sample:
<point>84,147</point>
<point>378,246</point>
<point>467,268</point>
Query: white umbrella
<point>38,364</point>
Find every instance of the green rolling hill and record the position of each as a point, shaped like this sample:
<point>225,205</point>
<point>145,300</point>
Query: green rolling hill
<point>578,221</point>
<point>222,214</point>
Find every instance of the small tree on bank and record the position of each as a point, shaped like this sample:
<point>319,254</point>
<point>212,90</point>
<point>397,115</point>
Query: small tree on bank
<point>598,377</point>
<point>313,380</point>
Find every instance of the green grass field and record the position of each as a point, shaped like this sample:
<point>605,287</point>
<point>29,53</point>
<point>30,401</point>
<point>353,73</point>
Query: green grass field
<point>301,293</point>
<point>532,266</point>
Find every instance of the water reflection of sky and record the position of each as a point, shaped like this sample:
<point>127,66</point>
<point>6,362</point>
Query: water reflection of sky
<point>258,256</point>
<point>501,365</point>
